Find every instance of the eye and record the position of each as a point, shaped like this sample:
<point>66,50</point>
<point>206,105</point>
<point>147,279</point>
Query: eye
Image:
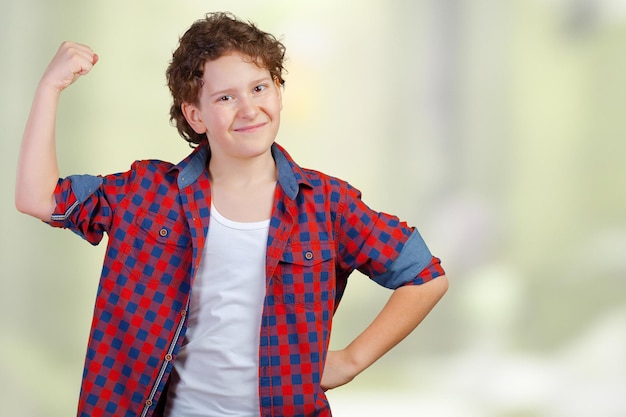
<point>260,88</point>
<point>225,98</point>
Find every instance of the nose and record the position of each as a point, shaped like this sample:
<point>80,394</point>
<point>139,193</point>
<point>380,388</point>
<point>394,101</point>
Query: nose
<point>247,107</point>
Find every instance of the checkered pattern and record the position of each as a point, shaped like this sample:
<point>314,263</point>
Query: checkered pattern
<point>157,217</point>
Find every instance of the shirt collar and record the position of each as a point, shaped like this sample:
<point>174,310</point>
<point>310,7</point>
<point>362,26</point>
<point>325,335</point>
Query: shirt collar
<point>190,168</point>
<point>290,175</point>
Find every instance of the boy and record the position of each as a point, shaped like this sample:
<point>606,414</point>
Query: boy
<point>222,273</point>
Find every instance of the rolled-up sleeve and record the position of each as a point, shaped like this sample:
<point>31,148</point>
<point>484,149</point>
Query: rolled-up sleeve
<point>85,203</point>
<point>382,247</point>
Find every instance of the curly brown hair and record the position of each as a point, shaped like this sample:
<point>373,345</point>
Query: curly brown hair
<point>206,40</point>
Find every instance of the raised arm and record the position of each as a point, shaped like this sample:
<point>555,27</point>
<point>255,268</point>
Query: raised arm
<point>37,169</point>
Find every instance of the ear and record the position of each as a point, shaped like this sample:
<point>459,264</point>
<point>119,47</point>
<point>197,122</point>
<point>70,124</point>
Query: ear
<point>193,117</point>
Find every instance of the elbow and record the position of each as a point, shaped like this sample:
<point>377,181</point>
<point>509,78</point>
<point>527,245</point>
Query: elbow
<point>21,204</point>
<point>438,286</point>
<point>39,210</point>
<point>444,284</point>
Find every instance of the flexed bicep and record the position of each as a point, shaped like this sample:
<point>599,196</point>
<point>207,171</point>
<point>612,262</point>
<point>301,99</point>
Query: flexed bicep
<point>37,169</point>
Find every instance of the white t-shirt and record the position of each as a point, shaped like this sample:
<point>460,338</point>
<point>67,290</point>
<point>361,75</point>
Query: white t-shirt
<point>216,370</point>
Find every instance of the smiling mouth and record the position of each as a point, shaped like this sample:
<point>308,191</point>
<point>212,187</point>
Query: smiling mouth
<point>250,128</point>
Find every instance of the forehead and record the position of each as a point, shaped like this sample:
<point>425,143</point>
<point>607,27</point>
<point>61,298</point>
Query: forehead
<point>233,67</point>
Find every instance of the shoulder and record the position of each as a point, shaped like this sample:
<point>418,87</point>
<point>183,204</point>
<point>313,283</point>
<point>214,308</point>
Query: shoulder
<point>328,191</point>
<point>141,172</point>
<point>320,179</point>
<point>197,157</point>
<point>150,167</point>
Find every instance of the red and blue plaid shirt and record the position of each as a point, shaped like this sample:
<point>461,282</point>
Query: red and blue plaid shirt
<point>157,216</point>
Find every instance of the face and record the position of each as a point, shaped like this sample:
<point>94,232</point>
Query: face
<point>238,108</point>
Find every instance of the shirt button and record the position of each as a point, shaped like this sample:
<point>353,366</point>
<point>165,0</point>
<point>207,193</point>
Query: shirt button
<point>308,255</point>
<point>168,357</point>
<point>183,313</point>
<point>163,232</point>
<point>149,403</point>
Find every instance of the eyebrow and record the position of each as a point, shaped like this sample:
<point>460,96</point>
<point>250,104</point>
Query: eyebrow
<point>231,90</point>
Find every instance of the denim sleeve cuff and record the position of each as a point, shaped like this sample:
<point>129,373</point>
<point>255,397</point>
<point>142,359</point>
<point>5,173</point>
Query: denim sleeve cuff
<point>81,186</point>
<point>413,258</point>
<point>84,185</point>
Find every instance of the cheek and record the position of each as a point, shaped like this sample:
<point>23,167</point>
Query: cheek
<point>217,121</point>
<point>276,106</point>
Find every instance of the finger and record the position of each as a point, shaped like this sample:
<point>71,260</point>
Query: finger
<point>76,50</point>
<point>84,61</point>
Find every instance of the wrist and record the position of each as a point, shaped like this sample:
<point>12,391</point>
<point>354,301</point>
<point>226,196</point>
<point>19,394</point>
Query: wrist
<point>48,91</point>
<point>355,361</point>
<point>48,88</point>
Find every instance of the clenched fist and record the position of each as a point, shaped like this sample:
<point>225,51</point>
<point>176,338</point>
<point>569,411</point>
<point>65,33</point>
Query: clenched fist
<point>71,61</point>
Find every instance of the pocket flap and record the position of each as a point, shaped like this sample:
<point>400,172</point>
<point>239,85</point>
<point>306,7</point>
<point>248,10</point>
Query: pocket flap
<point>307,253</point>
<point>162,229</point>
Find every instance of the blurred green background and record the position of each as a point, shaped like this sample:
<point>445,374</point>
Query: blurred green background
<point>496,127</point>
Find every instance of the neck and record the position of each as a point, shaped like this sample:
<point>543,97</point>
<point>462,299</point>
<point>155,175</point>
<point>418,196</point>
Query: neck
<point>243,189</point>
<point>242,172</point>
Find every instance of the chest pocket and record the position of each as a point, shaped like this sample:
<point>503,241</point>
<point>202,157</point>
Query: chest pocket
<point>159,249</point>
<point>158,229</point>
<point>306,276</point>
